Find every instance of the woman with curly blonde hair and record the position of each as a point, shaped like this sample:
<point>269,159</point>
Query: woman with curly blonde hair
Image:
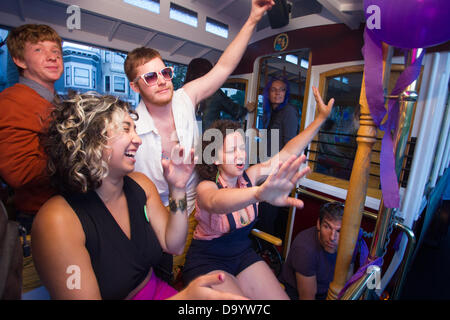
<point>102,237</point>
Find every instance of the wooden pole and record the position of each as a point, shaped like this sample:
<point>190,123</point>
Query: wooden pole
<point>356,195</point>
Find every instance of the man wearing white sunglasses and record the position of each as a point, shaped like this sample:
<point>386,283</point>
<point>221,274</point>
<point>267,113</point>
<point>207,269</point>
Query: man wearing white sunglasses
<point>167,118</point>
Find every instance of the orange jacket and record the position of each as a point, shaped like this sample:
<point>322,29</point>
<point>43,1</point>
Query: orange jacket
<point>23,163</point>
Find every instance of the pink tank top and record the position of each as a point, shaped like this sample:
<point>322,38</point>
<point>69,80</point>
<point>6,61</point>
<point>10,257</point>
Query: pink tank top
<point>214,225</point>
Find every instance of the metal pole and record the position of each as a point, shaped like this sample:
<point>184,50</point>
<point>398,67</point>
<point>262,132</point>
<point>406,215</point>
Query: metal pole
<point>355,291</point>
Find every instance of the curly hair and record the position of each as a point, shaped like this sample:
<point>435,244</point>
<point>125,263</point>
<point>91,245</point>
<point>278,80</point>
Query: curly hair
<point>206,170</point>
<point>77,136</point>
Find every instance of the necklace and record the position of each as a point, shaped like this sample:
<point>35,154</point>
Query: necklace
<point>244,220</point>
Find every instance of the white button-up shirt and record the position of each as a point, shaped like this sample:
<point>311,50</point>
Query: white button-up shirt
<point>149,154</point>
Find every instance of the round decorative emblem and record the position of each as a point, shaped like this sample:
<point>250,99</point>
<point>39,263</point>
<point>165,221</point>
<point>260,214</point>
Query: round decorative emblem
<point>281,42</point>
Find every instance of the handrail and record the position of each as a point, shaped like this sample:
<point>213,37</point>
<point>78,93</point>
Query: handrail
<point>355,291</point>
<point>409,249</point>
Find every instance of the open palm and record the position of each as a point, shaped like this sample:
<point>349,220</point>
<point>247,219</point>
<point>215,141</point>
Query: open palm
<point>178,169</point>
<point>324,109</point>
<point>277,187</point>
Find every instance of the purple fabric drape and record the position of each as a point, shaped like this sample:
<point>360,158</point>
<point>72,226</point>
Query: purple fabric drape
<point>373,72</point>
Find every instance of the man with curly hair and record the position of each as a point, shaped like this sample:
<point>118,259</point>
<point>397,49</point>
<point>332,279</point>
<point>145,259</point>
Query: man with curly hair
<point>36,51</point>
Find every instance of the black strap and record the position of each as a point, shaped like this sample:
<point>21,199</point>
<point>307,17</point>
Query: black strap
<point>250,185</point>
<point>230,215</point>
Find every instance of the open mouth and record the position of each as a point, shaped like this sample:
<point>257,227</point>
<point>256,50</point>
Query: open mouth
<point>240,166</point>
<point>130,154</point>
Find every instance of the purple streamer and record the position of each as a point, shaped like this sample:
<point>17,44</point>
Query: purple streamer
<point>358,274</point>
<point>373,71</point>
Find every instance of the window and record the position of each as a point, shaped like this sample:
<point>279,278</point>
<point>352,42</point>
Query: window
<point>119,84</point>
<point>216,27</point>
<point>179,73</point>
<point>150,5</point>
<point>94,79</point>
<point>91,68</point>
<point>304,63</point>
<point>107,83</point>
<point>292,58</point>
<point>81,77</point>
<point>282,66</point>
<point>68,76</point>
<point>183,15</point>
<point>336,143</point>
<point>119,58</point>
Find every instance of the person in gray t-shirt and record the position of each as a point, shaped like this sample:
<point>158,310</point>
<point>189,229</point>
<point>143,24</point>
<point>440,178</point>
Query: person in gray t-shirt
<point>309,267</point>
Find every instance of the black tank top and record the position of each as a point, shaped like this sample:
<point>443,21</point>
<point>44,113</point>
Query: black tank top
<point>120,264</point>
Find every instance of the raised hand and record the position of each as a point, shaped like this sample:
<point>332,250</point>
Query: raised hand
<point>178,169</point>
<point>277,187</point>
<point>324,109</point>
<point>259,7</point>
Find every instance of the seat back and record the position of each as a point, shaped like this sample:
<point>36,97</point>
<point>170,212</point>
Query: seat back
<point>11,258</point>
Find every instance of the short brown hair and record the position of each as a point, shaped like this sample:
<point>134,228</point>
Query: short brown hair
<point>331,210</point>
<point>136,58</point>
<point>32,33</point>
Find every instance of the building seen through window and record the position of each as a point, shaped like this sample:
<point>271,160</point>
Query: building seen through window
<point>87,68</point>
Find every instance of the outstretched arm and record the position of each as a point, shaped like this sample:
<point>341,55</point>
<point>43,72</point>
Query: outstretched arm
<point>275,190</point>
<point>205,86</point>
<point>297,144</point>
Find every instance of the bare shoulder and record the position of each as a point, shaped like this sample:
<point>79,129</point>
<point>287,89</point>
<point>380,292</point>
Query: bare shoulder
<point>55,212</point>
<point>142,180</point>
<point>55,222</point>
<point>206,185</point>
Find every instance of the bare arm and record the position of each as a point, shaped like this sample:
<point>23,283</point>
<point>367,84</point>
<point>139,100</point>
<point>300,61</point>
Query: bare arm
<point>225,200</point>
<point>275,190</point>
<point>60,255</point>
<point>205,86</point>
<point>170,227</point>
<point>306,287</point>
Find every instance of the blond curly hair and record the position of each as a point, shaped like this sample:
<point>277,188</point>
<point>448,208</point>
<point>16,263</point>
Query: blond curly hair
<point>77,136</point>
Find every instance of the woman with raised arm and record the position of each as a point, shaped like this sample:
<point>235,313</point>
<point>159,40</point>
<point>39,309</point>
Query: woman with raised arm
<point>227,201</point>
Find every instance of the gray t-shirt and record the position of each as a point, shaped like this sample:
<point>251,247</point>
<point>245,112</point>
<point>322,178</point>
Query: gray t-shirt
<point>307,257</point>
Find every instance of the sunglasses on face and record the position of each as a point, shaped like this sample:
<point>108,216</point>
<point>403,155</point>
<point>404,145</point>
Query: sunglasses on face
<point>150,78</point>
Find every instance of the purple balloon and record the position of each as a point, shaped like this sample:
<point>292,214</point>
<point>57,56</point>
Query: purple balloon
<point>409,23</point>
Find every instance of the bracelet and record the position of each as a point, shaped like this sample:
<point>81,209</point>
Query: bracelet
<point>180,204</point>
